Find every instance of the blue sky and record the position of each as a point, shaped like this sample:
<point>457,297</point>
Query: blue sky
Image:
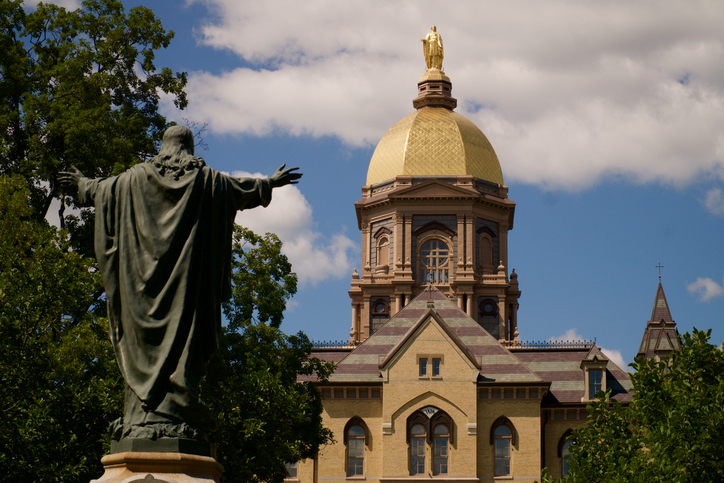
<point>607,118</point>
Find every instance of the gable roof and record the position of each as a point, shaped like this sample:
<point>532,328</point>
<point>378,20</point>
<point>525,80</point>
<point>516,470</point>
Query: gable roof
<point>496,363</point>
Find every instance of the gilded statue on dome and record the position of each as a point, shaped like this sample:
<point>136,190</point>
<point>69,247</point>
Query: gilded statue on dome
<point>432,47</point>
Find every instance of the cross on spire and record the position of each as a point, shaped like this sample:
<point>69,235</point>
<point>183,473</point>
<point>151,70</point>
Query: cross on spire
<point>659,266</point>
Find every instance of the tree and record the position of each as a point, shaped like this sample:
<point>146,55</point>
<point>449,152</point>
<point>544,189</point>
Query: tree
<point>266,415</point>
<point>673,429</point>
<point>60,386</point>
<point>79,88</point>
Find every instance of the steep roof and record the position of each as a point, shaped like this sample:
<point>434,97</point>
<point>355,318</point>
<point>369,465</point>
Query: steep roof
<point>660,336</point>
<point>495,361</point>
<point>563,368</point>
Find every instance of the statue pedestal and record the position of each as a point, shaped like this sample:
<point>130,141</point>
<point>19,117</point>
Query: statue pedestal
<point>144,467</point>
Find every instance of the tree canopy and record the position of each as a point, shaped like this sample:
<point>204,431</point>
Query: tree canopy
<point>81,88</point>
<point>673,429</point>
<point>266,416</point>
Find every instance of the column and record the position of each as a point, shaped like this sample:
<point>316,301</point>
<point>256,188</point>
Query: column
<point>399,244</point>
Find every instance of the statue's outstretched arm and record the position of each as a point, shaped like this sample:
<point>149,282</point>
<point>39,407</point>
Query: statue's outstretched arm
<point>283,177</point>
<point>70,180</point>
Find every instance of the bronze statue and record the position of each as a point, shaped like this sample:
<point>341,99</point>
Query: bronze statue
<point>432,48</point>
<point>163,234</point>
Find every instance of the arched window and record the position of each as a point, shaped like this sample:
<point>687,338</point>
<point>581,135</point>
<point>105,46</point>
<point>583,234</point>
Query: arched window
<point>434,262</point>
<point>356,437</point>
<point>417,449</point>
<point>441,439</point>
<point>565,453</point>
<point>355,451</point>
<point>383,254</point>
<point>564,445</point>
<point>502,439</point>
<point>502,436</point>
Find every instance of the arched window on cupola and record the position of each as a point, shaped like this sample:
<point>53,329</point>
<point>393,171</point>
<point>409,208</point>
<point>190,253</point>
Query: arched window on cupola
<point>382,250</point>
<point>435,263</point>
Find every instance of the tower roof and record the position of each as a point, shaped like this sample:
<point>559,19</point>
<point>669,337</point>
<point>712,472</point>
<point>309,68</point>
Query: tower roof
<point>434,141</point>
<point>660,336</point>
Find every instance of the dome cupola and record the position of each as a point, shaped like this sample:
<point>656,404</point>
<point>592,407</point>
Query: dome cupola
<point>434,140</point>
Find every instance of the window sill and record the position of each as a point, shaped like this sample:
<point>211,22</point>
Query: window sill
<point>504,477</point>
<point>355,478</point>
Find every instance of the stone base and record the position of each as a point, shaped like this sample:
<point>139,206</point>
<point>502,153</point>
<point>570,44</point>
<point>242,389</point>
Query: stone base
<point>134,467</point>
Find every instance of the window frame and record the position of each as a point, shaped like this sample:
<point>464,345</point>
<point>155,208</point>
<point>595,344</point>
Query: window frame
<point>447,268</point>
<point>503,421</point>
<point>437,459</point>
<point>417,442</point>
<point>353,422</point>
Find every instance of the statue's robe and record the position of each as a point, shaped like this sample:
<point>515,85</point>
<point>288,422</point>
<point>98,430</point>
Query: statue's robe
<point>163,247</point>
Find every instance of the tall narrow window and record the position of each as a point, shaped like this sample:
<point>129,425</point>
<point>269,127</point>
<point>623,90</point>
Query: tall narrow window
<point>440,449</point>
<point>436,363</point>
<point>502,451</point>
<point>423,367</point>
<point>565,453</point>
<point>355,451</point>
<point>595,376</point>
<point>417,449</point>
<point>434,257</point>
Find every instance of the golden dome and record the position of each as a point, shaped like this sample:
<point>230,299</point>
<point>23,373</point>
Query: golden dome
<point>434,141</point>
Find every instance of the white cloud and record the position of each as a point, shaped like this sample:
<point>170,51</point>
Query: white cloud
<point>616,358</point>
<point>706,288</point>
<point>569,335</point>
<point>314,257</point>
<point>568,93</point>
<point>573,335</point>
<point>714,201</point>
<point>67,4</point>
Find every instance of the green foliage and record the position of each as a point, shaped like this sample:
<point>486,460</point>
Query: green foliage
<point>265,416</point>
<point>79,88</point>
<point>673,429</point>
<point>60,385</point>
<point>266,277</point>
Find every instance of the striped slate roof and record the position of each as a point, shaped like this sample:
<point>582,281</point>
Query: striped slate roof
<point>563,368</point>
<point>497,364</point>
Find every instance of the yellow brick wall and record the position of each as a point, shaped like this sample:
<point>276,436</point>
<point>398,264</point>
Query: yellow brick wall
<point>554,430</point>
<point>526,452</point>
<point>454,392</point>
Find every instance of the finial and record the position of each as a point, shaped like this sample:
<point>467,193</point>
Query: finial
<point>659,266</point>
<point>432,48</point>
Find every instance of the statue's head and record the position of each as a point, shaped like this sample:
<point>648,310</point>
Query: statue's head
<point>433,28</point>
<point>177,151</point>
<point>176,139</point>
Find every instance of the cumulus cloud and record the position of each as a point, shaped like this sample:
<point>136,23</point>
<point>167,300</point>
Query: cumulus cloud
<point>314,257</point>
<point>569,335</point>
<point>714,201</point>
<point>573,335</point>
<point>706,288</point>
<point>615,357</point>
<point>567,93</point>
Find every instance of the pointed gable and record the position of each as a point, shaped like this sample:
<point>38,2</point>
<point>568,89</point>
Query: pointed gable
<point>495,362</point>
